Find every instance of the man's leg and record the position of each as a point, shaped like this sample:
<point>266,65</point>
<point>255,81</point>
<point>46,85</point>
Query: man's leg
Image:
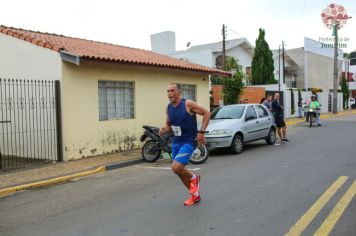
<point>318,118</point>
<point>284,130</point>
<point>285,133</point>
<point>280,133</point>
<point>184,174</point>
<point>190,181</point>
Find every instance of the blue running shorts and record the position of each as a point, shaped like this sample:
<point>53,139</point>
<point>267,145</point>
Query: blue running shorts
<point>182,152</point>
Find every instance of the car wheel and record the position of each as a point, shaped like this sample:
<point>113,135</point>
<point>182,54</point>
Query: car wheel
<point>237,144</point>
<point>271,138</point>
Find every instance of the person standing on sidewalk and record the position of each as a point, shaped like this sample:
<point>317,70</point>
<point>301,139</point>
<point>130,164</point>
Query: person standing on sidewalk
<point>278,111</point>
<point>181,119</point>
<point>268,102</point>
<point>300,108</point>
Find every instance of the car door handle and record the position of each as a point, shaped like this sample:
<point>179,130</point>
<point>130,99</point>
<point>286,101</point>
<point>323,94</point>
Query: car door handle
<point>257,122</point>
<point>269,118</point>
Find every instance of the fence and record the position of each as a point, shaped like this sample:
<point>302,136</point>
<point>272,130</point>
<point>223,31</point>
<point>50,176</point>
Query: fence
<point>30,131</point>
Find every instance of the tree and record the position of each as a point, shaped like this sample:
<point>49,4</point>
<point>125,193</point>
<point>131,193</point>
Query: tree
<point>345,93</point>
<point>262,62</point>
<point>233,87</point>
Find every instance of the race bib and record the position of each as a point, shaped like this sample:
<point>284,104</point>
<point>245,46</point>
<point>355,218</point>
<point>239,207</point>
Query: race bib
<point>177,130</point>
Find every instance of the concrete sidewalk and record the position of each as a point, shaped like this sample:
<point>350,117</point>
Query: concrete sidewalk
<point>60,169</point>
<point>47,174</point>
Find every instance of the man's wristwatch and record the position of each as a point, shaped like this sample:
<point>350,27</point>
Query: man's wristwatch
<point>201,132</point>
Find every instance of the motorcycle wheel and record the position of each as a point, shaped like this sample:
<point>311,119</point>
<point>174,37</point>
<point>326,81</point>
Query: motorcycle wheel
<point>310,120</point>
<point>150,151</point>
<point>200,155</point>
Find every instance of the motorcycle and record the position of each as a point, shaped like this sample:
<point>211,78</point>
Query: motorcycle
<point>152,149</point>
<point>311,115</point>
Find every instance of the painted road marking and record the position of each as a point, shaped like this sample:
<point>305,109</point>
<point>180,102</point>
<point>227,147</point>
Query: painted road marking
<point>305,220</point>
<point>336,213</point>
<point>165,168</point>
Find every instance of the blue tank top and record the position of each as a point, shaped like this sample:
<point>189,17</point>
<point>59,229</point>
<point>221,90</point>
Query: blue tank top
<point>184,125</point>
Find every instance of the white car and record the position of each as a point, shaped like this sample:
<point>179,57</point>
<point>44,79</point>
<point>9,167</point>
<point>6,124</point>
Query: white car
<point>234,125</point>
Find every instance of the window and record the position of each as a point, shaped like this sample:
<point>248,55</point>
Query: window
<point>250,112</point>
<point>261,111</point>
<point>353,62</point>
<point>116,100</point>
<point>228,112</point>
<point>188,91</point>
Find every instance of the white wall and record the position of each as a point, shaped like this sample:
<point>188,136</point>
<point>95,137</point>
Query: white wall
<point>22,60</point>
<point>323,99</point>
<point>244,57</point>
<point>164,42</point>
<point>29,106</point>
<point>314,46</point>
<point>201,57</point>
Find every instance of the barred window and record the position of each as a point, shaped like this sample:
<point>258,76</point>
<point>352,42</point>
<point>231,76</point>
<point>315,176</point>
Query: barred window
<point>189,91</point>
<point>116,100</point>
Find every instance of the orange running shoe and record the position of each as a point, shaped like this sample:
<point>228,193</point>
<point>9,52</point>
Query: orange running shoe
<point>192,200</point>
<point>194,185</point>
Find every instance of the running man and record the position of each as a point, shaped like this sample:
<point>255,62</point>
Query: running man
<point>181,119</point>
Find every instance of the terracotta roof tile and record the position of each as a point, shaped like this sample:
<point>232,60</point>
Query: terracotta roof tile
<point>105,51</point>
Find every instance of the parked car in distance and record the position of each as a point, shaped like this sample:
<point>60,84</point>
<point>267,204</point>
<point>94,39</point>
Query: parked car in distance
<point>232,126</point>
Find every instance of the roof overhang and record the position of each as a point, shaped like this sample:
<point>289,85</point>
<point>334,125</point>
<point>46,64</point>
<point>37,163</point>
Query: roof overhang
<point>70,57</point>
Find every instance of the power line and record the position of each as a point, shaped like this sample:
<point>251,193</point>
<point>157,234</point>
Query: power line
<point>301,10</point>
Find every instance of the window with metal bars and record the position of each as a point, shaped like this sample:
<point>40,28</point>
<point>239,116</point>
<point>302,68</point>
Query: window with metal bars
<point>188,91</point>
<point>116,100</point>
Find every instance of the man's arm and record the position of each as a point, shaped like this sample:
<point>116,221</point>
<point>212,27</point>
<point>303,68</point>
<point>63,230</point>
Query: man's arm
<point>193,107</point>
<point>167,127</point>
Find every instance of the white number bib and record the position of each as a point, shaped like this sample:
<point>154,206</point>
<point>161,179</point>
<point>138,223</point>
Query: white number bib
<point>177,130</point>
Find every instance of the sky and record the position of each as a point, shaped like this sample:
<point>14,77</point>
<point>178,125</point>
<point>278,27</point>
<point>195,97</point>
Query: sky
<point>131,22</point>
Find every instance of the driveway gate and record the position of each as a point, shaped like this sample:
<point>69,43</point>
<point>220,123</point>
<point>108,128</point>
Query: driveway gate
<point>30,130</point>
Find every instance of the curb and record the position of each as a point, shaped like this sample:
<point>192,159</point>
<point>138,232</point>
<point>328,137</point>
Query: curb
<point>57,180</point>
<point>119,165</point>
<point>66,178</point>
<point>325,116</point>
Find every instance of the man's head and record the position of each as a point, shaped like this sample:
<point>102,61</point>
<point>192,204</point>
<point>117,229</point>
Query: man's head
<point>245,100</point>
<point>276,96</point>
<point>313,97</point>
<point>174,91</point>
<point>269,97</point>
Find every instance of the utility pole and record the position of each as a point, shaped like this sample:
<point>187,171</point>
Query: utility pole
<point>284,74</point>
<point>279,68</point>
<point>223,46</point>
<point>336,40</point>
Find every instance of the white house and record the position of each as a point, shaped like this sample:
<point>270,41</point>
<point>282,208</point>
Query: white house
<point>310,66</point>
<point>209,55</point>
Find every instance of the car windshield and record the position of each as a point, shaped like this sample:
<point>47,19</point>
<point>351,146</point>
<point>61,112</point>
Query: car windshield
<point>228,112</point>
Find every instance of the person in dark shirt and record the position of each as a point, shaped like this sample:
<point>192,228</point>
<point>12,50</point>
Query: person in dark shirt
<point>181,120</point>
<point>300,108</point>
<point>278,111</point>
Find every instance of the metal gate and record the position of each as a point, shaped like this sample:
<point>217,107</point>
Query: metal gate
<point>30,128</point>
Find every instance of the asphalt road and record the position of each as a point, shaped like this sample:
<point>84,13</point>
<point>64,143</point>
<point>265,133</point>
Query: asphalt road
<point>265,190</point>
